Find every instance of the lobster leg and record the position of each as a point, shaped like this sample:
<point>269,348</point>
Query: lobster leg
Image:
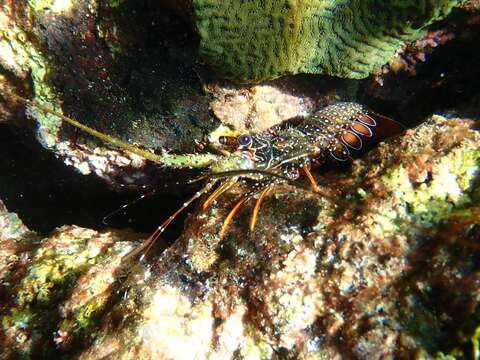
<point>256,209</point>
<point>224,186</point>
<point>310,178</point>
<point>231,214</point>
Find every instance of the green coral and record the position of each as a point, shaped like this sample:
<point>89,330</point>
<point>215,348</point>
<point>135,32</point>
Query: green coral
<point>257,40</point>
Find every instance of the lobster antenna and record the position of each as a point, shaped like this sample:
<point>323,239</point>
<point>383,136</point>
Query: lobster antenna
<point>106,138</point>
<point>152,239</point>
<point>127,205</point>
<point>240,172</point>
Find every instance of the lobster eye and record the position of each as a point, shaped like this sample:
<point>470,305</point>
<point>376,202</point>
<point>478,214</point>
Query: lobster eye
<point>222,140</point>
<point>244,140</point>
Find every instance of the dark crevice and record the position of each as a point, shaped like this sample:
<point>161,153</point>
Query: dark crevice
<point>46,193</point>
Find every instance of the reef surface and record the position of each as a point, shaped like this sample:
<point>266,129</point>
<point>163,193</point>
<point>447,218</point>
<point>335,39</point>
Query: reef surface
<point>132,70</point>
<point>382,263</point>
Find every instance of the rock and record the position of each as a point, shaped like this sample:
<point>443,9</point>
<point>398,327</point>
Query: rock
<point>383,262</point>
<point>53,288</point>
<point>11,227</point>
<point>259,107</point>
<point>83,59</point>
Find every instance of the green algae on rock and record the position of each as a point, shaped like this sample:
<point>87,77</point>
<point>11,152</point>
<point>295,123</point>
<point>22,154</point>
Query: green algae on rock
<point>11,227</point>
<point>56,295</point>
<point>80,58</point>
<point>257,40</point>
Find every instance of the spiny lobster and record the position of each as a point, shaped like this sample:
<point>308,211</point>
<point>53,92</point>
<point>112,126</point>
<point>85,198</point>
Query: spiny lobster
<point>265,159</point>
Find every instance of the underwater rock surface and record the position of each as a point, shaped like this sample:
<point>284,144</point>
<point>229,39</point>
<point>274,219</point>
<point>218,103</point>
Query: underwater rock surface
<point>124,68</point>
<point>382,263</point>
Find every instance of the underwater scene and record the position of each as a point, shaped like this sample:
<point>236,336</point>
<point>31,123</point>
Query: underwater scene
<point>240,179</point>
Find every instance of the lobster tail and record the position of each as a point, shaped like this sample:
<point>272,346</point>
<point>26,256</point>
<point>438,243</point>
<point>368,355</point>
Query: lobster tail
<point>367,119</point>
<point>339,151</point>
<point>351,139</point>
<point>363,125</point>
<point>361,129</point>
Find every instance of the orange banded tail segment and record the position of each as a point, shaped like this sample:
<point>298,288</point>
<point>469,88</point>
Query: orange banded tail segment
<point>367,120</point>
<point>361,129</point>
<point>363,124</point>
<point>339,151</point>
<point>351,139</point>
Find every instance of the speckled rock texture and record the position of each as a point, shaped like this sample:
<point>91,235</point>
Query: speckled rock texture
<point>52,289</point>
<point>258,40</point>
<point>382,263</point>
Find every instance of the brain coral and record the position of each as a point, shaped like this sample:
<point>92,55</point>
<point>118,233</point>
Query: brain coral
<point>254,40</point>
